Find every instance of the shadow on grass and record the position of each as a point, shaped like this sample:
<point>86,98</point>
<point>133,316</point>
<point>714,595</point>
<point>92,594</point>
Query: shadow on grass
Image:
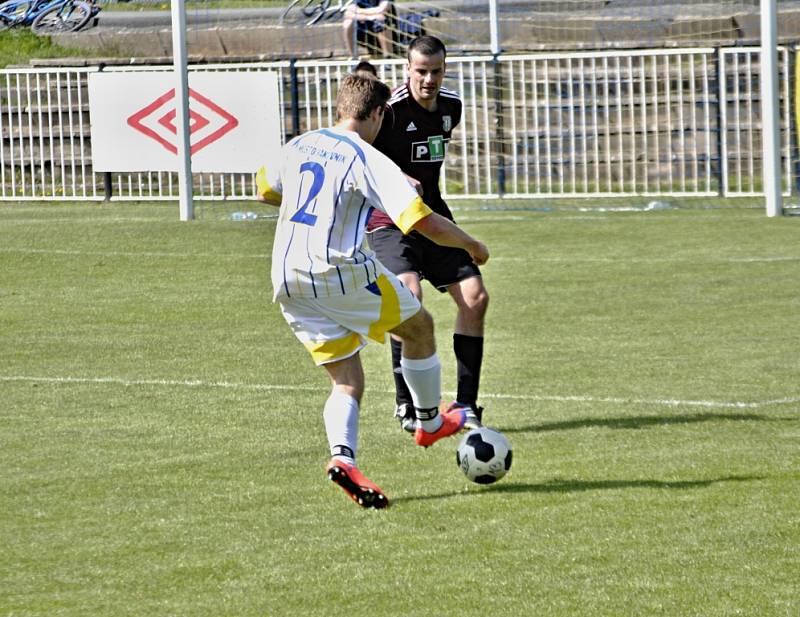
<point>578,486</point>
<point>636,422</point>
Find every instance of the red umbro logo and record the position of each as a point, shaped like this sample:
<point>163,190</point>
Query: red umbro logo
<point>208,122</point>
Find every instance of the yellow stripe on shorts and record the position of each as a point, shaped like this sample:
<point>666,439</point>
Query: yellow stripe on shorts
<point>337,349</point>
<point>390,311</point>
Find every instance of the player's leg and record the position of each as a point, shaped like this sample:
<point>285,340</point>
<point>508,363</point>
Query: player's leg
<point>452,270</point>
<point>472,301</point>
<point>341,425</point>
<point>336,348</point>
<point>422,373</point>
<point>341,408</point>
<point>386,306</point>
<point>404,405</point>
<point>401,255</point>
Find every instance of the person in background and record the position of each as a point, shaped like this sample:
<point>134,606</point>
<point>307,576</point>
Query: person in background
<point>368,17</point>
<point>365,67</point>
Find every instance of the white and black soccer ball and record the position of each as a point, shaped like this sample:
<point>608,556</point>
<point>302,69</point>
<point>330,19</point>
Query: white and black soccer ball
<point>484,455</point>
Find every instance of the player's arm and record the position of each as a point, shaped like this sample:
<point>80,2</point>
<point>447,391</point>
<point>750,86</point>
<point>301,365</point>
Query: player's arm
<point>388,188</point>
<point>375,11</point>
<point>443,231</point>
<point>268,187</point>
<point>415,184</point>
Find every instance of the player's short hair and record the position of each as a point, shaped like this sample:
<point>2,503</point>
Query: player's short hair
<point>366,66</point>
<point>359,94</point>
<point>426,45</point>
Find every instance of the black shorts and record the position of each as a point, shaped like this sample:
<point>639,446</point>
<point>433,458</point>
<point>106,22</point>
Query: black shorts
<point>373,26</point>
<point>440,265</point>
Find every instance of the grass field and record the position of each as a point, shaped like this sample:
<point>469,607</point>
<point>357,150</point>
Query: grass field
<point>162,447</point>
<point>19,45</point>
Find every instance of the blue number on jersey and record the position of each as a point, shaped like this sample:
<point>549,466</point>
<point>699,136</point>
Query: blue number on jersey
<point>301,216</point>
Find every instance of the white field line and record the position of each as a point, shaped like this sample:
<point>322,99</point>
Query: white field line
<point>81,219</point>
<point>500,258</point>
<point>155,254</point>
<point>195,383</point>
<point>627,259</point>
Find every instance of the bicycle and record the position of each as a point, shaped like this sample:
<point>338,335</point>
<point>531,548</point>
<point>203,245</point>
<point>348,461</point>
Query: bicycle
<point>47,16</point>
<point>69,16</point>
<point>311,12</point>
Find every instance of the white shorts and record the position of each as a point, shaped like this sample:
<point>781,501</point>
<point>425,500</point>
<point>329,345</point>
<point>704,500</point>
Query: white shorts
<point>336,327</point>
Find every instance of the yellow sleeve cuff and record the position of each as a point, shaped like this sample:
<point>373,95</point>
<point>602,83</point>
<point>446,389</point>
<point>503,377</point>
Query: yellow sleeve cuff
<point>415,212</point>
<point>264,190</point>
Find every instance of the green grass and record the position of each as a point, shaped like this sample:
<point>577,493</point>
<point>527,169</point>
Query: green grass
<point>19,45</point>
<point>162,448</point>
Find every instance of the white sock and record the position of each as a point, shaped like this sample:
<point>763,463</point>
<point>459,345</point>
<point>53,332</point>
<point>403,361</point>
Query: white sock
<point>341,425</point>
<point>424,380</point>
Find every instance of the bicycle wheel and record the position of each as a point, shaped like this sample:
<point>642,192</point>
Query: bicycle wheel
<point>67,17</point>
<point>13,12</point>
<point>334,13</point>
<point>304,11</point>
<point>321,15</point>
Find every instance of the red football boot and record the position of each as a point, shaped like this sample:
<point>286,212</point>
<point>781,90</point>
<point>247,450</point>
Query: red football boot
<point>360,488</point>
<point>453,420</point>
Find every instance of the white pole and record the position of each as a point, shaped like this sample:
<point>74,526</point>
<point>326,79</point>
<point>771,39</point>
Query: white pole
<point>769,108</point>
<point>494,30</point>
<point>182,108</point>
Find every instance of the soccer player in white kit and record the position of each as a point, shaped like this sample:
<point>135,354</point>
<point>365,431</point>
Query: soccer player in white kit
<point>333,292</point>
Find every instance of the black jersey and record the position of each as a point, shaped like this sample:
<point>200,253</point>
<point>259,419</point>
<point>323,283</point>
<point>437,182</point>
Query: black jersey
<point>416,140</point>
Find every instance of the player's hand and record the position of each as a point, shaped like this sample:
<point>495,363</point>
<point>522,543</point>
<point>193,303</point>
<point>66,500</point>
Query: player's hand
<point>479,253</point>
<point>415,184</point>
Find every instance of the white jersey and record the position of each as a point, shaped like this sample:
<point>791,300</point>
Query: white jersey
<point>329,181</point>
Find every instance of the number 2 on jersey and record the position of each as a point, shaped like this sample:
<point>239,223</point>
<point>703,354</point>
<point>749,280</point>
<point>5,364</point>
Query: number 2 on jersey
<point>301,216</point>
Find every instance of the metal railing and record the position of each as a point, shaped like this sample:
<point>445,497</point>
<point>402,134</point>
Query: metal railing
<point>644,122</point>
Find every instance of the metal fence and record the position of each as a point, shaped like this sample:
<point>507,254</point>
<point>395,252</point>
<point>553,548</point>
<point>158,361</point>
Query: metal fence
<point>645,122</point>
<point>678,122</point>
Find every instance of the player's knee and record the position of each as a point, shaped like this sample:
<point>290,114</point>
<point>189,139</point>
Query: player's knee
<point>347,376</point>
<point>417,328</point>
<point>424,325</point>
<point>477,304</point>
<point>483,300</point>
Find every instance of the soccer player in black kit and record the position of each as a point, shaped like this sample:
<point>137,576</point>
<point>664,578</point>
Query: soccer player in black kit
<point>415,131</point>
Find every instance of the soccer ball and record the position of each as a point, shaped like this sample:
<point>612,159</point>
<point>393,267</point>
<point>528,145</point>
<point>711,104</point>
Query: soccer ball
<point>484,455</point>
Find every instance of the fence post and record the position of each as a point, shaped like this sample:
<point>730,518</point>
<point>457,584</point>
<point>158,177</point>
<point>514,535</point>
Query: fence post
<point>494,32</point>
<point>180,63</point>
<point>722,124</point>
<point>108,186</point>
<point>294,89</point>
<point>793,76</point>
<point>770,109</point>
<point>498,121</point>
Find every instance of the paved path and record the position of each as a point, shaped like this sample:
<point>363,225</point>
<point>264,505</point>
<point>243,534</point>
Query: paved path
<point>198,16</point>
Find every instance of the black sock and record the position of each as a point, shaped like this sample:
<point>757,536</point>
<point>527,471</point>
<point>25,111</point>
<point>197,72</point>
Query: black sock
<point>403,395</point>
<point>469,355</point>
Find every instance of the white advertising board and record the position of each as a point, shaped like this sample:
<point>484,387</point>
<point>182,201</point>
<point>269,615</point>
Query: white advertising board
<point>233,121</point>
